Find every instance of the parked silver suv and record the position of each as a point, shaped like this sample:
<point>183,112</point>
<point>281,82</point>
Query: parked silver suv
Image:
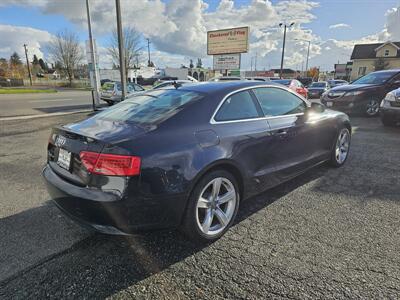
<point>390,108</point>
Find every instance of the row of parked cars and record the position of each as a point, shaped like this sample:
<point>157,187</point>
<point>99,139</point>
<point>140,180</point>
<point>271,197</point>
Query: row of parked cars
<point>371,95</point>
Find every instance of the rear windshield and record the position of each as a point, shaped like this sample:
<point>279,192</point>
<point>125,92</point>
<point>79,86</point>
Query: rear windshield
<point>149,108</point>
<point>375,78</point>
<point>283,81</point>
<point>318,84</point>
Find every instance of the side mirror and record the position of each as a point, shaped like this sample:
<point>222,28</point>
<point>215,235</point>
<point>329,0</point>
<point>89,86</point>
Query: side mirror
<point>317,107</point>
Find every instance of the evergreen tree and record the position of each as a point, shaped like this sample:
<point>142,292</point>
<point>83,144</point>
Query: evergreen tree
<point>43,65</point>
<point>199,63</point>
<point>15,60</point>
<point>191,65</point>
<point>35,60</point>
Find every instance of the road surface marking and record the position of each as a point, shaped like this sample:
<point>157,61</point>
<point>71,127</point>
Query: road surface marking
<point>55,100</point>
<point>44,115</point>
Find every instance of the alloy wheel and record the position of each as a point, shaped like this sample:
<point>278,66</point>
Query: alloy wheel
<point>342,146</point>
<point>216,206</point>
<point>372,107</point>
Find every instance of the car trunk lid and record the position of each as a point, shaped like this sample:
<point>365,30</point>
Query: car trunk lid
<point>67,142</point>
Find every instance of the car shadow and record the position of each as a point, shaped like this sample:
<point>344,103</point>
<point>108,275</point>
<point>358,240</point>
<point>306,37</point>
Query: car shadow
<point>97,266</point>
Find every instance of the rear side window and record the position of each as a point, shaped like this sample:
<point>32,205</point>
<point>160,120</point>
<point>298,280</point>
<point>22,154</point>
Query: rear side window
<point>237,107</point>
<point>277,102</point>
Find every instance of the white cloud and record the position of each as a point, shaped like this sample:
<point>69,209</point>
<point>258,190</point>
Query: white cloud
<point>339,26</point>
<point>392,27</point>
<point>177,29</point>
<point>14,37</point>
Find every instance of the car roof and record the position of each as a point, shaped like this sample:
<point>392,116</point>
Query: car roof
<point>388,71</point>
<point>225,86</point>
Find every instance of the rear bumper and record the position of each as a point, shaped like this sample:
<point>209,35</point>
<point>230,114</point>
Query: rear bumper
<point>109,213</point>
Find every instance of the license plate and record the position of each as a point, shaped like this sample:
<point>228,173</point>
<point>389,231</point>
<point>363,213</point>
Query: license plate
<point>64,158</point>
<point>329,104</point>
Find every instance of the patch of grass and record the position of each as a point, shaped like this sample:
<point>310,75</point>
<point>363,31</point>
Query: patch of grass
<point>25,91</point>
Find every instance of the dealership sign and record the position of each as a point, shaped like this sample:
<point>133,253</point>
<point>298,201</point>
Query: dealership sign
<point>228,41</point>
<point>227,61</point>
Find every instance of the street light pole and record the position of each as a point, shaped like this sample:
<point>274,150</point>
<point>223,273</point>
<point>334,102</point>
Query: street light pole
<point>148,51</point>
<point>121,49</point>
<point>283,46</point>
<point>27,64</point>
<point>93,69</point>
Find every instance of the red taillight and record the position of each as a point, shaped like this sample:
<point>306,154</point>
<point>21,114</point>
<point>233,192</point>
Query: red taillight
<point>110,164</point>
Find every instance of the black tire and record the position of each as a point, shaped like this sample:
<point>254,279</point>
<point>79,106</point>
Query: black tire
<point>110,103</point>
<point>190,226</point>
<point>334,161</point>
<point>387,121</point>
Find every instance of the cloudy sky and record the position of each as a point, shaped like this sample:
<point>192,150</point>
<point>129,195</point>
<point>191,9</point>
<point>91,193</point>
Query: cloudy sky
<point>177,28</point>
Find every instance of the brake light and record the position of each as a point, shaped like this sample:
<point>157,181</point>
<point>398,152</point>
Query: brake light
<point>110,164</point>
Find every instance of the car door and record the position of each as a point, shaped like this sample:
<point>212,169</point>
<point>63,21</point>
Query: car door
<point>294,144</point>
<point>242,128</point>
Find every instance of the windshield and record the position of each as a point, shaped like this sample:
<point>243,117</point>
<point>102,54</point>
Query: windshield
<point>149,108</point>
<point>318,84</point>
<point>375,78</point>
<point>283,81</point>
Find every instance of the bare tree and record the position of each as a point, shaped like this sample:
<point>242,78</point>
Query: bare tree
<point>132,47</point>
<point>65,49</point>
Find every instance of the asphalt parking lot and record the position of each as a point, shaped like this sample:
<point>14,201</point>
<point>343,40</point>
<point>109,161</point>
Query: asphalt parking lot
<point>330,233</point>
<point>65,100</point>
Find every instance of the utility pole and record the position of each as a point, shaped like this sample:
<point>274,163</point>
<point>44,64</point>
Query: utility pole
<point>255,64</point>
<point>93,67</point>
<point>283,46</point>
<point>148,51</point>
<point>27,64</point>
<point>308,52</point>
<point>121,48</point>
<point>251,65</point>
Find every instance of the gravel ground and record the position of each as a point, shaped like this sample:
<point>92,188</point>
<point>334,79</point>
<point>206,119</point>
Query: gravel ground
<point>330,233</point>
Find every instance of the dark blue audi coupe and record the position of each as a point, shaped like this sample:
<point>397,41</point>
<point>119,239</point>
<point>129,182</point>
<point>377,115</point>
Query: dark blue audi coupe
<point>186,156</point>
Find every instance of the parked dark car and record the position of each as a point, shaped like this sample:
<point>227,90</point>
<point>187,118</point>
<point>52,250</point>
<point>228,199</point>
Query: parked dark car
<point>171,82</point>
<point>390,108</point>
<point>103,81</point>
<point>163,79</point>
<point>258,78</point>
<point>226,78</point>
<point>306,81</point>
<point>363,95</point>
<point>146,81</point>
<point>337,82</point>
<point>316,89</point>
<point>186,157</point>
